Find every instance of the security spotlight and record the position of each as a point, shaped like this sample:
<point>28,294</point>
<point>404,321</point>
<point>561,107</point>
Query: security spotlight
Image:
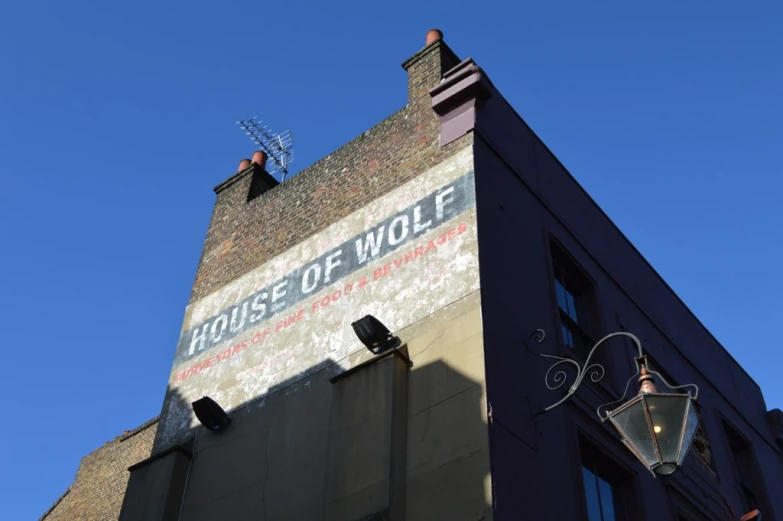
<point>374,335</point>
<point>210,414</point>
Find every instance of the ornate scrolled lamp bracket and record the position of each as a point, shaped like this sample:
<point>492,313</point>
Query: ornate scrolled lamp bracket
<point>657,427</point>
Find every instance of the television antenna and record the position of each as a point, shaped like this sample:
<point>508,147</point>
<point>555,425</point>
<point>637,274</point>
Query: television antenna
<point>279,147</point>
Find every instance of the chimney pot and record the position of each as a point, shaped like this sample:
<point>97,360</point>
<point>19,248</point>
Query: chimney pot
<point>434,35</point>
<point>244,163</point>
<point>259,157</point>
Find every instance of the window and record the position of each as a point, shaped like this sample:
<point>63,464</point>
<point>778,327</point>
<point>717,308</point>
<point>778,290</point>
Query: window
<point>604,487</point>
<point>599,496</point>
<point>574,301</point>
<point>744,464</point>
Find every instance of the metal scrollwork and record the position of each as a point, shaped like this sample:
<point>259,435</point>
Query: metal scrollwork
<point>538,335</point>
<point>595,371</point>
<point>560,377</point>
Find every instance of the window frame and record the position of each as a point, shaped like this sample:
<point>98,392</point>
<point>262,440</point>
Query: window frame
<point>733,437</point>
<point>566,272</point>
<point>600,468</point>
<point>602,442</point>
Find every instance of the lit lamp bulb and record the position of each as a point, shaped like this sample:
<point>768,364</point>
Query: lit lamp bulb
<point>657,429</point>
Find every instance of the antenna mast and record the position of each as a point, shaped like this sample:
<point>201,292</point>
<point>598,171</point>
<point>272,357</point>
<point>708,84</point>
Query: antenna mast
<point>279,147</point>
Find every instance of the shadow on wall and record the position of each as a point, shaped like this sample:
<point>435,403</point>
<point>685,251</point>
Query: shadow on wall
<point>178,424</point>
<point>381,441</point>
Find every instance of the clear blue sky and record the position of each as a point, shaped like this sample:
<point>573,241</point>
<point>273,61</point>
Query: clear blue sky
<point>117,119</point>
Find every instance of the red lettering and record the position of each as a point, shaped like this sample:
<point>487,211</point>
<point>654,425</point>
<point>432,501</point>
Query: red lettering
<point>256,338</point>
<point>452,234</point>
<point>280,325</point>
<point>300,314</point>
<point>430,246</point>
<point>442,239</point>
<point>409,257</point>
<point>325,301</point>
<point>314,307</point>
<point>348,289</point>
<point>387,269</point>
<point>418,251</point>
<point>462,228</point>
<point>377,274</point>
<point>398,263</point>
<point>336,295</point>
<point>362,282</point>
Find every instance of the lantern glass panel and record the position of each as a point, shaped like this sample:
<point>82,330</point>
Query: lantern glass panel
<point>632,424</point>
<point>691,424</point>
<point>668,416</point>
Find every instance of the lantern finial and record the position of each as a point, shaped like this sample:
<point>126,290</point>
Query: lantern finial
<point>646,381</point>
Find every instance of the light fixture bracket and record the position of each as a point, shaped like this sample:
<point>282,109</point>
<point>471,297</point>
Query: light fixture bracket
<point>375,336</point>
<point>210,414</point>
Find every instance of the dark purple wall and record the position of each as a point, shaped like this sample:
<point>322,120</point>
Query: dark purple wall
<point>524,197</point>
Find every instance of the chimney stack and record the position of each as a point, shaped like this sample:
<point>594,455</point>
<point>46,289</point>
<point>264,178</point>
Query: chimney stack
<point>427,67</point>
<point>250,180</point>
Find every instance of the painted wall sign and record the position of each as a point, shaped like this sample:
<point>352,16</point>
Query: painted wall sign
<point>400,258</point>
<point>349,288</point>
<point>389,235</point>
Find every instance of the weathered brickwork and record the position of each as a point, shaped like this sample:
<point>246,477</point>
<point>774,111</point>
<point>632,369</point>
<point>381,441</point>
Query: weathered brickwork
<point>243,234</point>
<point>99,487</point>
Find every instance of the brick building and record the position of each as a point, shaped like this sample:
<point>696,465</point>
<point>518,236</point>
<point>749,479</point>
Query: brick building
<point>99,486</point>
<point>452,223</point>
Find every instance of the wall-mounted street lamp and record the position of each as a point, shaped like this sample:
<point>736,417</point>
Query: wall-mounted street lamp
<point>657,427</point>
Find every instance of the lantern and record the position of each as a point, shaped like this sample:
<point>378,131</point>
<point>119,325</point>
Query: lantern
<point>657,427</point>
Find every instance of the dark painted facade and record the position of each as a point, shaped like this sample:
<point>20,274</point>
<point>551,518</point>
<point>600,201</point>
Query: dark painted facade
<point>531,214</point>
<point>487,238</point>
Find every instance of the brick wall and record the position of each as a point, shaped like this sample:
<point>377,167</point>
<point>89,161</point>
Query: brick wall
<point>97,491</point>
<point>246,233</point>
